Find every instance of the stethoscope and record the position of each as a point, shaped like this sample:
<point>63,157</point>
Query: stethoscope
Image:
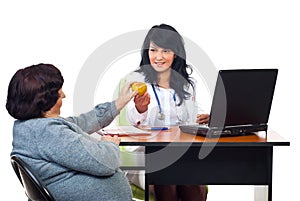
<point>161,115</point>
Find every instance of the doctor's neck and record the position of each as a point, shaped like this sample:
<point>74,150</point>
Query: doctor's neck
<point>163,79</point>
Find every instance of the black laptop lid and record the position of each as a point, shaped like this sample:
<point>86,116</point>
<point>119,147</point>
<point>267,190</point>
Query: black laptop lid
<point>242,97</point>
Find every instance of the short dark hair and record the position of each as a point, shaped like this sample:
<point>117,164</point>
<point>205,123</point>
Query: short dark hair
<point>33,90</point>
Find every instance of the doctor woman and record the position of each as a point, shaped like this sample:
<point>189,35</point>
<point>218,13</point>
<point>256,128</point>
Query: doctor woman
<point>170,98</point>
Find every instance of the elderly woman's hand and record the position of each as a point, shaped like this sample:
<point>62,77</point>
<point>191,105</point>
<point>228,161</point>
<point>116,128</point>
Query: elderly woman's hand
<point>126,94</point>
<point>115,139</point>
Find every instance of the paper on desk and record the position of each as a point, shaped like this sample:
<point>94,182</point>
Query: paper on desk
<point>123,130</point>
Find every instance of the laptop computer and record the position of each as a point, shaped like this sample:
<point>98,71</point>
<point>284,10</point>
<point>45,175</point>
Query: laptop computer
<point>241,103</point>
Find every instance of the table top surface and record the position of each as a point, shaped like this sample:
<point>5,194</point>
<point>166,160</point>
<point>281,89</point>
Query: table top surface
<point>175,137</point>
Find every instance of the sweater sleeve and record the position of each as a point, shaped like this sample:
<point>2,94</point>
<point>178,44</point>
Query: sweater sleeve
<point>101,116</point>
<point>80,152</point>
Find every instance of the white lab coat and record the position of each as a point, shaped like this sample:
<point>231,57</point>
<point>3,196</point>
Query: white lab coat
<point>174,115</point>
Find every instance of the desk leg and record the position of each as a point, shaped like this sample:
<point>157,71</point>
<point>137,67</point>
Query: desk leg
<point>271,179</point>
<point>146,188</point>
<point>270,192</point>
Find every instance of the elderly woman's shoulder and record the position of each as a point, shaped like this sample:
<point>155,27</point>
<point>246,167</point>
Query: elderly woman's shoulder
<point>38,123</point>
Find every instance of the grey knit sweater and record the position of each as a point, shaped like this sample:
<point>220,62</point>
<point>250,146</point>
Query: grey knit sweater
<point>73,165</point>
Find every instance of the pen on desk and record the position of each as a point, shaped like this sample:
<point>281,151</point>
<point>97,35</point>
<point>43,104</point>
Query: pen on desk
<point>159,128</point>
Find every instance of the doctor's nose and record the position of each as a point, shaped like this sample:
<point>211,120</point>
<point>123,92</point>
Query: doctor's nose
<point>159,55</point>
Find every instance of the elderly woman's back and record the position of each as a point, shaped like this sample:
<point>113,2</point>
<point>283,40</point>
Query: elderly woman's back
<point>72,164</point>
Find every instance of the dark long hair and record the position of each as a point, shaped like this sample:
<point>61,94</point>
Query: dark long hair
<point>33,90</point>
<point>167,37</point>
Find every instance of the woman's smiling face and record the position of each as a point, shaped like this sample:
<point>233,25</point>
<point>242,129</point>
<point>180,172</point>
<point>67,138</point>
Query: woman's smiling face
<point>160,59</point>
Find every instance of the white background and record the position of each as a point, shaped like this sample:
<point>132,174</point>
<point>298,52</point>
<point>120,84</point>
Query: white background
<point>234,34</point>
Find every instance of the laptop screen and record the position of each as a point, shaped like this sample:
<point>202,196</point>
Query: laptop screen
<point>242,97</point>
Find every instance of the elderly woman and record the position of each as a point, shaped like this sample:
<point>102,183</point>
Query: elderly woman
<point>72,164</point>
